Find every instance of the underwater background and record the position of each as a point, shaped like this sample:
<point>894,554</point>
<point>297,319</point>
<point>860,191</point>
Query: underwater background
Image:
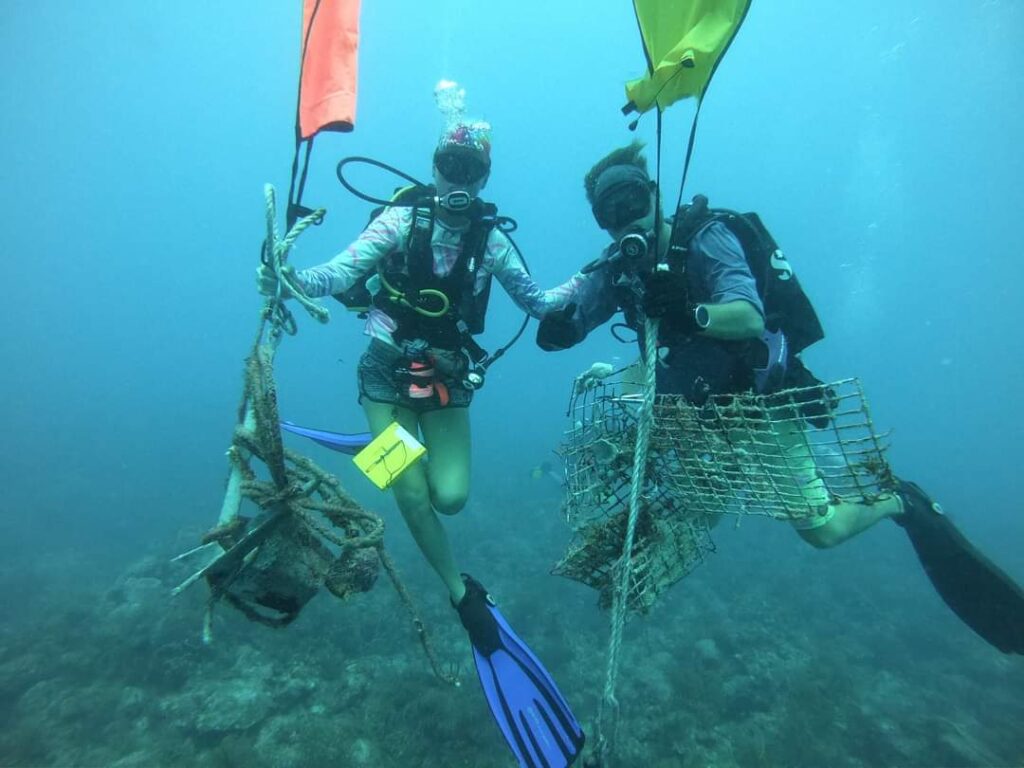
<point>880,143</point>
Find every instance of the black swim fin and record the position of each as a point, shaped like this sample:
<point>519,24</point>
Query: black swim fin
<point>984,597</point>
<point>534,718</point>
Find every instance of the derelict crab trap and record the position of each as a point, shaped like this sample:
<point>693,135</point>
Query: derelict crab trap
<point>786,455</point>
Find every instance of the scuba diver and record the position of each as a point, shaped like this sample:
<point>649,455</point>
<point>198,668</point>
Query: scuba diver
<point>733,319</point>
<point>426,267</point>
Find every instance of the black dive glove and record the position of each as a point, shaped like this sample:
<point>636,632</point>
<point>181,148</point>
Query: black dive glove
<point>664,293</point>
<point>558,330</point>
<point>665,296</point>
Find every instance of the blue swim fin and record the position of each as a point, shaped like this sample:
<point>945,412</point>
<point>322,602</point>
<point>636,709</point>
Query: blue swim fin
<point>350,443</point>
<point>533,716</point>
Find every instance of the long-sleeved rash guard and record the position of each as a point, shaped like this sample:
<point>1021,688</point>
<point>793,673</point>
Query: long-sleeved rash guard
<point>388,233</point>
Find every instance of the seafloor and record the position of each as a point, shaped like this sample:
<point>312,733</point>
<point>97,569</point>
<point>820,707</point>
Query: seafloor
<point>770,654</point>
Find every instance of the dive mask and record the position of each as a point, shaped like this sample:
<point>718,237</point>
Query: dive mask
<point>460,168</point>
<point>622,205</point>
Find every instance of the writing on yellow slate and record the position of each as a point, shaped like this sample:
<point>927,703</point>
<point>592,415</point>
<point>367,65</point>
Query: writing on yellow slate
<point>389,454</point>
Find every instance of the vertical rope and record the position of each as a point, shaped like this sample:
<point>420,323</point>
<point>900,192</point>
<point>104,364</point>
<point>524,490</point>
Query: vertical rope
<point>609,707</point>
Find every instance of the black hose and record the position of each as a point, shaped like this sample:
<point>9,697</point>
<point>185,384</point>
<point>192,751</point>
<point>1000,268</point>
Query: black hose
<point>490,359</point>
<point>504,224</point>
<point>340,171</point>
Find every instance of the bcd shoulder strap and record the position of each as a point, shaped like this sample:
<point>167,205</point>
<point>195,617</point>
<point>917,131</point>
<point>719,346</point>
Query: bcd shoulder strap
<point>416,260</point>
<point>419,256</point>
<point>358,298</point>
<point>786,305</point>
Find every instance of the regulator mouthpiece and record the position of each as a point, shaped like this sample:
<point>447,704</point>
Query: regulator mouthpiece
<point>633,246</point>
<point>456,201</point>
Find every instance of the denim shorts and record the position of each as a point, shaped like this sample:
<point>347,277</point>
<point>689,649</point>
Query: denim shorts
<point>381,380</point>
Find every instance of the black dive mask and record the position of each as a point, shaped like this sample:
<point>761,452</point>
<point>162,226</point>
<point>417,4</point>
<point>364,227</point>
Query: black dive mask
<point>459,167</point>
<point>623,204</point>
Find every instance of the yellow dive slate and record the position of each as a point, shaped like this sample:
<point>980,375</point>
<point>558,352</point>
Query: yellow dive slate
<point>388,455</point>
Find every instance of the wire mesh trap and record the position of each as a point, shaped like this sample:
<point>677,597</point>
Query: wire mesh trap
<point>787,455</point>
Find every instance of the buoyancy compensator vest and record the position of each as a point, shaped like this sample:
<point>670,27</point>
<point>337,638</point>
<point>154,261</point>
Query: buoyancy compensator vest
<point>443,311</point>
<point>697,365</point>
<point>786,306</point>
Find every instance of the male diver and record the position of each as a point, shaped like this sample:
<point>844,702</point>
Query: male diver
<point>427,266</point>
<point>714,339</point>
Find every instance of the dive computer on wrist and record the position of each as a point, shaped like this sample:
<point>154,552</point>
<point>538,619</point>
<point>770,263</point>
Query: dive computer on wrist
<point>701,317</point>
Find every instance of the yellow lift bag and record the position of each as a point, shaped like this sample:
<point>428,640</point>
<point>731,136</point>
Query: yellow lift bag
<point>684,42</point>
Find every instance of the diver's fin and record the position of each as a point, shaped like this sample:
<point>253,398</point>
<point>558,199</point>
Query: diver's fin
<point>975,588</point>
<point>343,442</point>
<point>527,705</point>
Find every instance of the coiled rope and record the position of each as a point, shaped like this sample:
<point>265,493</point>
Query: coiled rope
<point>297,487</point>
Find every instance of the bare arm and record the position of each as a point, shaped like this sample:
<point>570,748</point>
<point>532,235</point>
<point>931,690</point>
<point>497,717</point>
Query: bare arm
<point>734,320</point>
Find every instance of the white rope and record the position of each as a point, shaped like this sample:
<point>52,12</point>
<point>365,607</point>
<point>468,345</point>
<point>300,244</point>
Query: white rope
<point>609,706</point>
<point>277,251</point>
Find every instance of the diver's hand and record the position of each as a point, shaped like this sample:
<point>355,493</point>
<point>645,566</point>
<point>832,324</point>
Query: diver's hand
<point>665,295</point>
<point>558,330</point>
<point>267,282</point>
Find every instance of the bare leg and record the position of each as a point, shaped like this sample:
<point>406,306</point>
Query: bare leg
<point>845,520</point>
<point>413,494</point>
<point>790,464</point>
<point>447,436</point>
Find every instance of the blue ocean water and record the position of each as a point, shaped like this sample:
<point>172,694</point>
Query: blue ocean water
<point>878,141</point>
